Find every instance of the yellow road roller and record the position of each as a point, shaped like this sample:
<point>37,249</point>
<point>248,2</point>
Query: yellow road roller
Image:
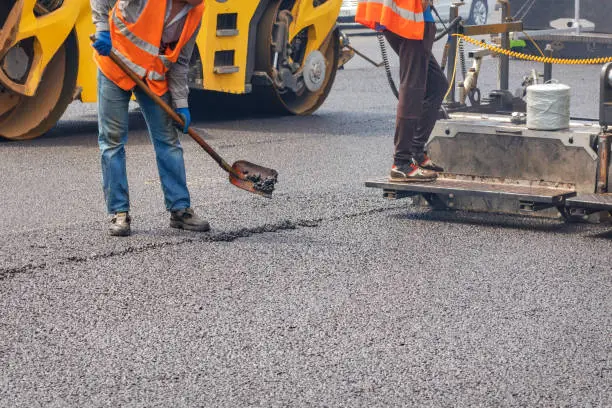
<point>281,54</point>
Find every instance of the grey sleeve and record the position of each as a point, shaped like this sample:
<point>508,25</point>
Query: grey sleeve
<point>100,10</point>
<point>177,74</point>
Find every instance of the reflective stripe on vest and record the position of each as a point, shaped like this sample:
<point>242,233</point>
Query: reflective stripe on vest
<point>134,39</point>
<point>156,76</point>
<point>402,12</point>
<point>403,17</point>
<point>138,70</point>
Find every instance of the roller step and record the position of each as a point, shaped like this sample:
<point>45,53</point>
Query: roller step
<point>228,32</point>
<point>224,62</point>
<point>226,69</point>
<point>602,202</point>
<point>451,187</point>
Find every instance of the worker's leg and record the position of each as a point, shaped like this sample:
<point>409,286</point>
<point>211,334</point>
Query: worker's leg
<point>113,116</point>
<point>168,152</point>
<point>413,70</point>
<point>409,109</point>
<point>436,87</point>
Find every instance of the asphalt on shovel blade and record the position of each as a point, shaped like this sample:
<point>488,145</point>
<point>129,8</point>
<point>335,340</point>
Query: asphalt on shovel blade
<point>256,179</point>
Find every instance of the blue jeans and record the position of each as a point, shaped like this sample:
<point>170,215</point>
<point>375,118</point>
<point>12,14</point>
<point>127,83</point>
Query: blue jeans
<point>113,117</point>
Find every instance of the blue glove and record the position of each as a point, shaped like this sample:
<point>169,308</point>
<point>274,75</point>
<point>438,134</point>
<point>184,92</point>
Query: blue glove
<point>103,43</point>
<point>186,116</point>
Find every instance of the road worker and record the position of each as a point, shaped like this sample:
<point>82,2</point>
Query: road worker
<point>155,39</point>
<point>409,27</point>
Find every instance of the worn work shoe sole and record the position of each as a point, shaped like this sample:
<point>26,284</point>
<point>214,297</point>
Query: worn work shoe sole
<point>120,225</point>
<point>411,173</point>
<point>411,179</point>
<point>119,232</point>
<point>187,219</point>
<point>203,227</point>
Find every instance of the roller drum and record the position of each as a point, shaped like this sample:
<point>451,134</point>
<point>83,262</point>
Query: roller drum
<point>26,117</point>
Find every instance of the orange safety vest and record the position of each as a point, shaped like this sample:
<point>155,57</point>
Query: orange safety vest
<point>402,17</point>
<point>138,44</point>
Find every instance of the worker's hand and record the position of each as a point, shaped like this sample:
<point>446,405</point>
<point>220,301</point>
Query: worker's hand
<point>426,3</point>
<point>103,43</point>
<point>186,116</point>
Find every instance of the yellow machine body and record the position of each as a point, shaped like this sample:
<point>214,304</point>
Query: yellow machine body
<point>320,20</point>
<point>45,53</point>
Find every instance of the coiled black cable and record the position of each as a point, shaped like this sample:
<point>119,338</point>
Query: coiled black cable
<point>385,57</point>
<point>462,59</point>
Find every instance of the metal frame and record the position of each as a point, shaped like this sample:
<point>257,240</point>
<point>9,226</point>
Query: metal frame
<point>450,187</point>
<point>500,100</point>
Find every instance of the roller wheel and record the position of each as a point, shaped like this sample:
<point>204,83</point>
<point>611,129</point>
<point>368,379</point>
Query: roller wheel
<point>24,117</point>
<point>286,101</point>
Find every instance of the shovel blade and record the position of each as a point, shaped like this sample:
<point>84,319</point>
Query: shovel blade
<point>254,178</point>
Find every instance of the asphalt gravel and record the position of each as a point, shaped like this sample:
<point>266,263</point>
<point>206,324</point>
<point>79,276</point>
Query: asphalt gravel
<point>324,295</point>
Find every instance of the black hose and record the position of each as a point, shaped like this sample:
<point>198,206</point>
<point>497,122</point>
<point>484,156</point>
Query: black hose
<point>435,10</point>
<point>385,57</point>
<point>448,29</point>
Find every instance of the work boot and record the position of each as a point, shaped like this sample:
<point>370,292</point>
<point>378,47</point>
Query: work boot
<point>411,172</point>
<point>188,220</point>
<point>428,164</point>
<point>120,225</point>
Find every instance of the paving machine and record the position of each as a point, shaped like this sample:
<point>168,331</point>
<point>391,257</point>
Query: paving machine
<point>495,163</point>
<point>282,53</point>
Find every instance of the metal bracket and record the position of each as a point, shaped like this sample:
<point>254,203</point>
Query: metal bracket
<point>440,201</point>
<point>530,206</point>
<point>397,194</point>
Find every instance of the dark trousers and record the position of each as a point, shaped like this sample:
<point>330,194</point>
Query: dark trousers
<point>422,88</point>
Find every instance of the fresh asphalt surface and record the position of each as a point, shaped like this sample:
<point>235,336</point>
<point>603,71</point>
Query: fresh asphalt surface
<point>325,295</point>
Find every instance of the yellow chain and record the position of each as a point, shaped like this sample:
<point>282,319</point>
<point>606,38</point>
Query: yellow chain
<point>546,60</point>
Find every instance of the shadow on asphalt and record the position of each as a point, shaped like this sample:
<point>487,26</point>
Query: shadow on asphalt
<point>603,235</point>
<point>506,221</point>
<point>329,123</point>
<point>89,124</point>
<point>72,132</point>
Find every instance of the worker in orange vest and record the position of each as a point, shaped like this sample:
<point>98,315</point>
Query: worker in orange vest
<point>410,29</point>
<point>155,39</point>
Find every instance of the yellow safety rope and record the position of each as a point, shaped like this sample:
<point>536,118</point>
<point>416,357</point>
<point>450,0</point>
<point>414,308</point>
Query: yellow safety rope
<point>545,60</point>
<point>499,50</point>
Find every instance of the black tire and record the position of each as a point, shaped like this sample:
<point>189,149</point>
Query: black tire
<point>478,9</point>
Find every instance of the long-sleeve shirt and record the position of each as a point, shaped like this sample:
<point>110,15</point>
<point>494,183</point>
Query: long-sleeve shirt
<point>131,10</point>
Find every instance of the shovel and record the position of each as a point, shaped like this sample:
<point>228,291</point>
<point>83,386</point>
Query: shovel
<point>243,174</point>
